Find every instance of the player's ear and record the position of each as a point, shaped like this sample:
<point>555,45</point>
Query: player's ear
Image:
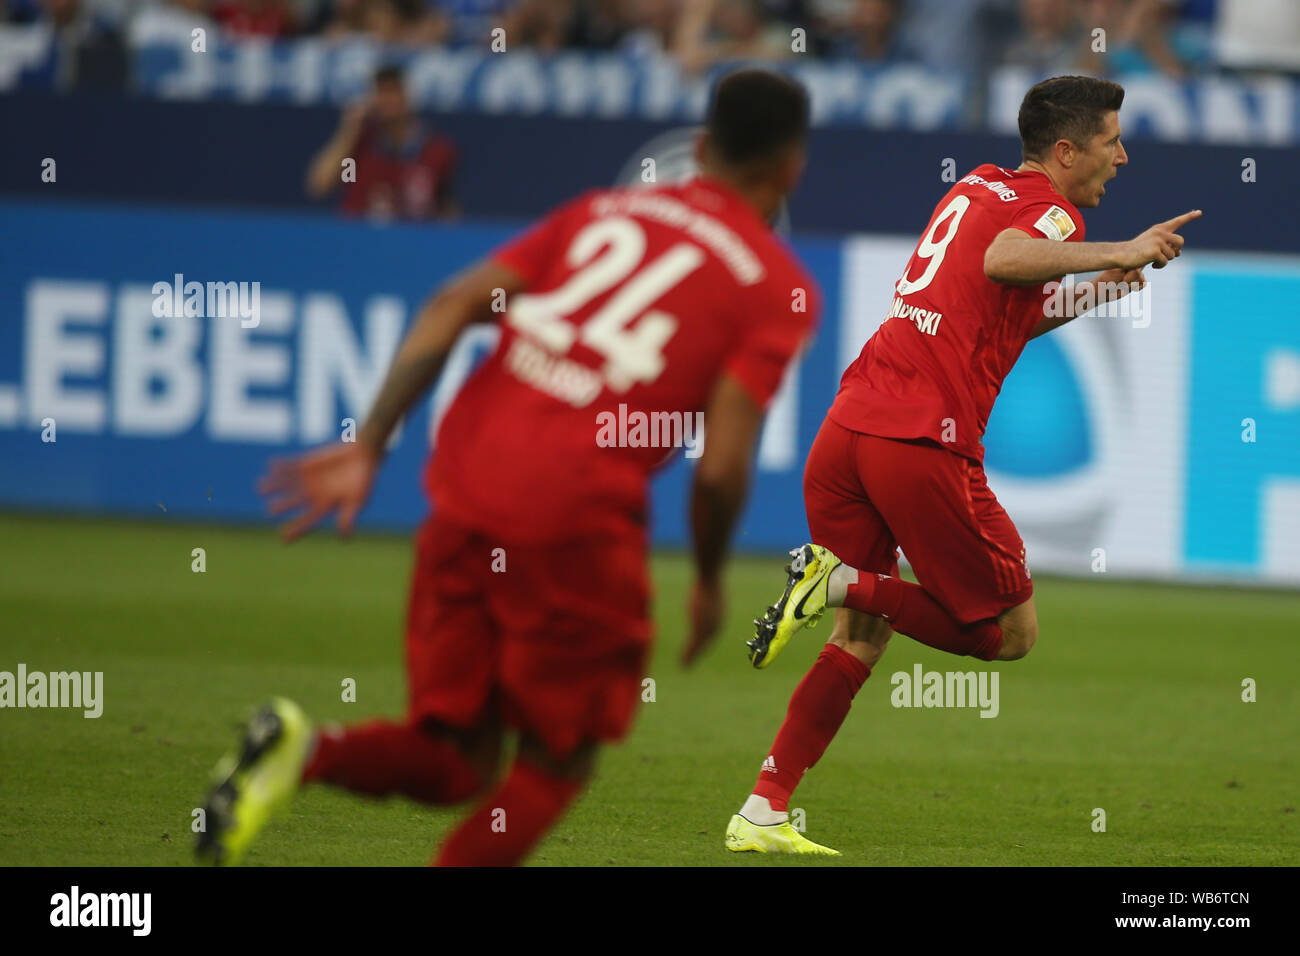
<point>793,167</point>
<point>1065,154</point>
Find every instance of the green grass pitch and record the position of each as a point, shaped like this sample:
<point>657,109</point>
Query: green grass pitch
<point>1131,702</point>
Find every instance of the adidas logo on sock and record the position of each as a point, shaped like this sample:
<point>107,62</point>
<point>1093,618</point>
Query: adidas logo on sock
<point>769,765</point>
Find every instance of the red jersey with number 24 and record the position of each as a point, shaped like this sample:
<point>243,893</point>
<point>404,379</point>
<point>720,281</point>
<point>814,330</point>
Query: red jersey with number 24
<point>936,365</point>
<point>637,301</point>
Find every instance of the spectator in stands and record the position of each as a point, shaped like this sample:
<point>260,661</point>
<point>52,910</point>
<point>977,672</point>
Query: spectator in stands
<point>197,8</point>
<point>170,23</point>
<point>349,18</point>
<point>472,21</point>
<point>954,34</point>
<point>20,11</point>
<point>789,14</point>
<point>255,18</point>
<point>599,24</point>
<point>1137,38</point>
<point>403,169</point>
<point>867,31</point>
<point>423,23</point>
<point>551,25</point>
<point>719,31</point>
<point>1258,34</point>
<point>652,26</point>
<point>391,22</point>
<point>1193,32</point>
<point>540,24</point>
<point>1051,38</point>
<point>88,49</point>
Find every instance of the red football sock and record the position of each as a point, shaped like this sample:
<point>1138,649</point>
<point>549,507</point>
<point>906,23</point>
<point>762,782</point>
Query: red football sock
<point>817,708</point>
<point>382,758</point>
<point>912,612</point>
<point>509,822</point>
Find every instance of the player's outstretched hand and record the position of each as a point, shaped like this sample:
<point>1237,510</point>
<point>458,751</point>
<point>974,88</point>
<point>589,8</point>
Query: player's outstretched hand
<point>705,618</point>
<point>1116,283</point>
<point>336,478</point>
<point>1159,245</point>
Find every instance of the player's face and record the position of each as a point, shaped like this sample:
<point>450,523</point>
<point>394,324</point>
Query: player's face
<point>1098,163</point>
<point>390,102</point>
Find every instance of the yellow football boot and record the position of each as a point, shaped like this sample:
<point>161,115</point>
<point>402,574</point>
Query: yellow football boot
<point>802,604</point>
<point>743,837</point>
<point>253,784</point>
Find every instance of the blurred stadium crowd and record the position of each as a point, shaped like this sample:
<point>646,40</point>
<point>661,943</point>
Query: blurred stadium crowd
<point>1174,38</point>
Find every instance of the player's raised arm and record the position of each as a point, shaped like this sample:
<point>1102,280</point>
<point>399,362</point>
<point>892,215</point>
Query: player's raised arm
<point>463,300</point>
<point>1016,258</point>
<point>338,478</point>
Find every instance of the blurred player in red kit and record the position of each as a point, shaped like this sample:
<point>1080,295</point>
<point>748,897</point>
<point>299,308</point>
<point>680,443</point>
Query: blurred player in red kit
<point>898,461</point>
<point>529,607</point>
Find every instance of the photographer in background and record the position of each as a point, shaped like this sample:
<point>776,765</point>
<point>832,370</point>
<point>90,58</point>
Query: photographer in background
<point>403,169</point>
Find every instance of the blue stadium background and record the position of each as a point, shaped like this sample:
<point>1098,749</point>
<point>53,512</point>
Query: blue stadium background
<point>209,183</point>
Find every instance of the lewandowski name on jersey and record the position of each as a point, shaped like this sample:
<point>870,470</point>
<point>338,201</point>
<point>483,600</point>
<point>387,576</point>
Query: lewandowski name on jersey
<point>935,374</point>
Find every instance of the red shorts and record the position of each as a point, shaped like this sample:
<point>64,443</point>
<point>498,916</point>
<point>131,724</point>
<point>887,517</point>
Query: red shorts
<point>868,496</point>
<point>555,643</point>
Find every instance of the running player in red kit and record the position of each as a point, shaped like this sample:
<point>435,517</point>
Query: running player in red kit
<point>529,606</point>
<point>899,460</point>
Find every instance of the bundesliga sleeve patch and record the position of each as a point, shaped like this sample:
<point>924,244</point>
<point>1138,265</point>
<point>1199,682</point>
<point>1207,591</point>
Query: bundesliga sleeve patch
<point>1055,224</point>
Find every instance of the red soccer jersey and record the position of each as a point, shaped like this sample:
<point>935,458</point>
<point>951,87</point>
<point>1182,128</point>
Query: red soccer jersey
<point>936,365</point>
<point>636,302</point>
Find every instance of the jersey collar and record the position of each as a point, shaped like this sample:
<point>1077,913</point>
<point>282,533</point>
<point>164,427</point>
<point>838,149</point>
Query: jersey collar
<point>729,197</point>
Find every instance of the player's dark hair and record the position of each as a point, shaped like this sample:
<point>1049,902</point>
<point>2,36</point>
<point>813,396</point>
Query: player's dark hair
<point>755,114</point>
<point>1065,107</point>
<point>389,74</point>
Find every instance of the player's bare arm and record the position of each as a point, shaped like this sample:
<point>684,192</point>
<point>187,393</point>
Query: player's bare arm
<point>338,478</point>
<point>731,422</point>
<point>465,299</point>
<point>1113,284</point>
<point>1016,258</point>
<point>1068,303</point>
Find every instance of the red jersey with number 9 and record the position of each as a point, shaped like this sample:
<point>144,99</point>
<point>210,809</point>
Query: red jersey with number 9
<point>637,301</point>
<point>936,365</point>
